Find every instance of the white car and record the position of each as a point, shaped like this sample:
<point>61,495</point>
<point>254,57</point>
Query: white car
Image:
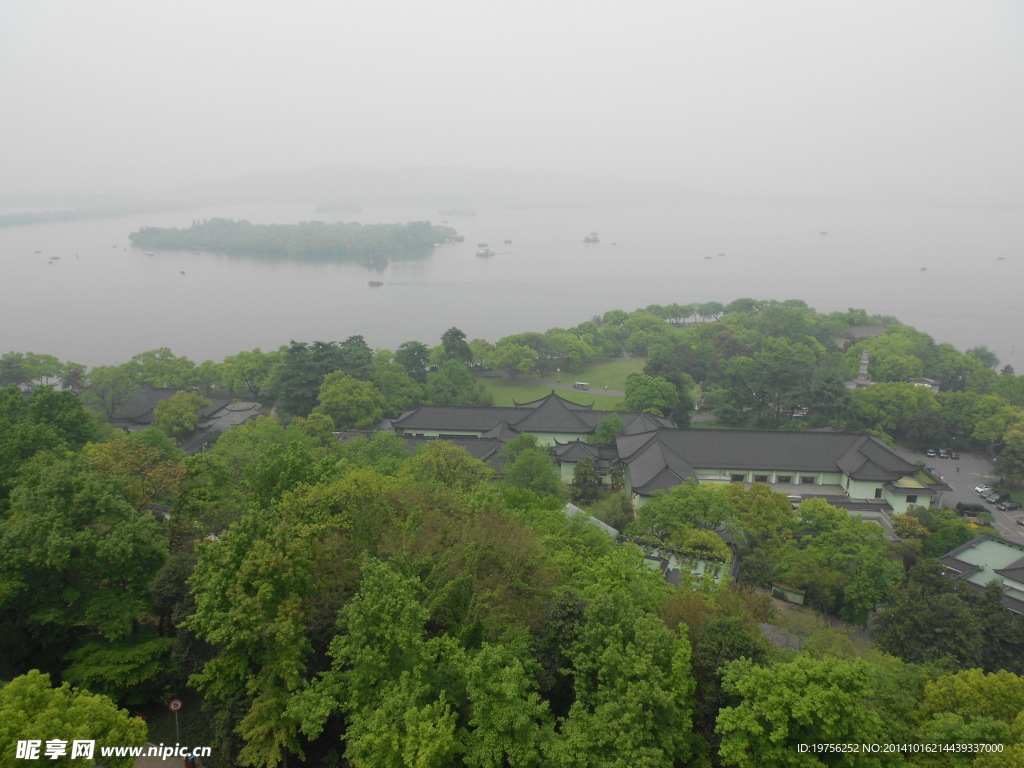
<point>984,490</point>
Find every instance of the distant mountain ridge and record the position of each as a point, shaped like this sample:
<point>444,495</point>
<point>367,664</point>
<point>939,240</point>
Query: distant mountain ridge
<point>434,187</point>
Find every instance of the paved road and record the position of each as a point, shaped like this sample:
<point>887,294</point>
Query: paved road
<point>974,469</point>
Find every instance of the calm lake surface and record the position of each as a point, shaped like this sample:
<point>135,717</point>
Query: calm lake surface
<point>956,274</point>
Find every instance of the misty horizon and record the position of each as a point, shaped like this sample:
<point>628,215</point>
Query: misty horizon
<point>912,102</point>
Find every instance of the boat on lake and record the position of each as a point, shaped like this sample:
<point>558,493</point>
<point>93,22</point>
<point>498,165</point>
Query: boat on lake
<point>374,283</point>
<point>485,252</point>
<point>592,238</point>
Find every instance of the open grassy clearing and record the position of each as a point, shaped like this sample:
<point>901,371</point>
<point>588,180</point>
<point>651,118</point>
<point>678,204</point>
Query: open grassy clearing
<point>611,374</point>
<point>504,391</point>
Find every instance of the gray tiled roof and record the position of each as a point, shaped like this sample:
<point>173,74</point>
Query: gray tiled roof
<point>502,431</point>
<point>550,414</point>
<point>569,403</point>
<point>1014,571</point>
<point>553,415</point>
<point>657,467</point>
<point>682,451</point>
<point>962,569</point>
<point>784,450</point>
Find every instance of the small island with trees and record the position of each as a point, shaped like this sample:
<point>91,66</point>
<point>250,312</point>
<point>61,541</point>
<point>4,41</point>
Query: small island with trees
<point>307,239</point>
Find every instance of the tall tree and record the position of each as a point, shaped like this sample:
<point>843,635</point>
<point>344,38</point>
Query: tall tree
<point>179,414</point>
<point>453,384</point>
<point>349,402</point>
<point>356,357</point>
<point>650,393</point>
<point>617,720</point>
<point>456,347</point>
<point>78,562</point>
<point>805,701</point>
<point>414,356</point>
<point>584,481</point>
<point>30,708</point>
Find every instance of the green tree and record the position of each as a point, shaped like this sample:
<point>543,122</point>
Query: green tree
<point>526,465</point>
<point>1010,461</point>
<point>248,371</point>
<point>805,701</point>
<point>350,403</point>
<point>179,414</point>
<point>926,620</point>
<point>783,370</point>
<point>513,359</point>
<point>77,563</point>
<point>453,384</point>
<point>73,377</point>
<point>400,390</point>
<point>259,592</point>
<point>633,690</point>
<point>650,393</point>
<point>584,481</point>
<point>892,406</point>
<point>387,679</point>
<point>718,641</point>
<point>14,370</point>
<point>509,724</point>
<point>110,387</point>
<point>162,368</point>
<point>414,357</point>
<point>607,429</point>
<point>456,347</point>
<point>295,379</point>
<point>356,357</point>
<point>441,463</point>
<point>686,505</point>
<point>147,474</point>
<point>30,708</point>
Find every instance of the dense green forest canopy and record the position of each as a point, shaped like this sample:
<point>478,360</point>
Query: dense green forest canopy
<point>308,239</point>
<point>322,602</point>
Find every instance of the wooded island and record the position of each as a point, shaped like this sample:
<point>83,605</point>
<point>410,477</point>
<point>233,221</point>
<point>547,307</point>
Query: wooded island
<point>308,239</point>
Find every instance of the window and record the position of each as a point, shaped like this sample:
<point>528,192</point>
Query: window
<point>785,479</point>
<point>737,478</point>
<point>911,499</point>
<point>878,493</point>
<point>760,478</point>
<point>808,479</point>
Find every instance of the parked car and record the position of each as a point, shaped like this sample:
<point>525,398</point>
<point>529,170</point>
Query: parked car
<point>1009,506</point>
<point>997,498</point>
<point>954,455</point>
<point>969,510</point>
<point>1020,520</point>
<point>943,453</point>
<point>930,453</point>
<point>984,490</point>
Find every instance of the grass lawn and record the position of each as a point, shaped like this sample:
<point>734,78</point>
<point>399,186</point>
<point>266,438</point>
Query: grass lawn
<point>611,374</point>
<point>504,391</point>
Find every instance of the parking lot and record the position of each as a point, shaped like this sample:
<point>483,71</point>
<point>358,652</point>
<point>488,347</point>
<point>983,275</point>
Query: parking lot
<point>962,476</point>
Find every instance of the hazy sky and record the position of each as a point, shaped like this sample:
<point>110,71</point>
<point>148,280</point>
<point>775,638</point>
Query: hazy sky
<point>871,99</point>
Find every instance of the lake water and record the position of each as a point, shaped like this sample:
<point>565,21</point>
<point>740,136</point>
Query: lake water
<point>953,273</point>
